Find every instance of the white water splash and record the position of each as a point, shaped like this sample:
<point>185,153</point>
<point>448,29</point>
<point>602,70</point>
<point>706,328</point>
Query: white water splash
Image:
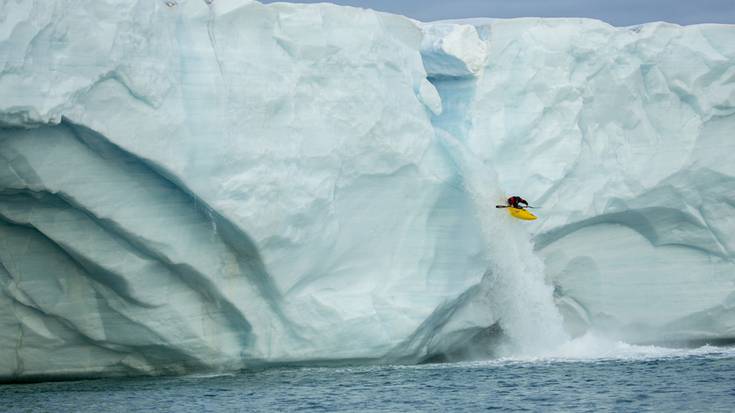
<point>595,347</point>
<point>515,281</point>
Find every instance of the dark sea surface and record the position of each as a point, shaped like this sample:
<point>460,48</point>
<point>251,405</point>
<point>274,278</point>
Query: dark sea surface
<point>663,381</point>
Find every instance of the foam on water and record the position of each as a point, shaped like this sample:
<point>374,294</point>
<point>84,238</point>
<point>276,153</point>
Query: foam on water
<point>591,348</point>
<point>594,347</point>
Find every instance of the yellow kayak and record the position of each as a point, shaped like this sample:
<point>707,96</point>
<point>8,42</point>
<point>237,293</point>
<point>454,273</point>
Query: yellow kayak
<point>521,214</point>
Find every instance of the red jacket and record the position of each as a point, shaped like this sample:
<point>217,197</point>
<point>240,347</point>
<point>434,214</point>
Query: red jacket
<point>515,202</point>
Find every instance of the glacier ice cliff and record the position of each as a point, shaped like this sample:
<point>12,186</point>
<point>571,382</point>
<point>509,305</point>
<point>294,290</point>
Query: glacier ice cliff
<point>211,185</point>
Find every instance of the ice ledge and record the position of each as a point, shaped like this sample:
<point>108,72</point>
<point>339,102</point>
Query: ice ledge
<point>452,50</point>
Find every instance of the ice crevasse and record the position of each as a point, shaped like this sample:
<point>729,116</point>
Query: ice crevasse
<point>207,185</point>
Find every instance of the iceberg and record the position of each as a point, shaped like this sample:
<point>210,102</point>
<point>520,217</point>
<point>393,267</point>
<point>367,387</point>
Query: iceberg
<point>217,185</point>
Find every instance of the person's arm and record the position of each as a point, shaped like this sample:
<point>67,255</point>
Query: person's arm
<point>523,201</point>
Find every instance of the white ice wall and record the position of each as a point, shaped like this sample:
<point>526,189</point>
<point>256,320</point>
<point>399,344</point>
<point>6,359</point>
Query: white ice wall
<point>625,137</point>
<point>246,184</point>
<point>211,186</point>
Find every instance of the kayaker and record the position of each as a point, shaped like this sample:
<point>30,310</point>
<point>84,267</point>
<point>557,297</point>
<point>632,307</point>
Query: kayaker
<point>516,201</point>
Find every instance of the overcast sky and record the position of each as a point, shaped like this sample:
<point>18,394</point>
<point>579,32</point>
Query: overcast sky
<point>615,12</point>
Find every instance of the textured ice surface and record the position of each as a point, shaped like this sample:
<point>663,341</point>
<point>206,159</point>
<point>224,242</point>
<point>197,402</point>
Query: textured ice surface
<point>625,136</point>
<point>216,185</point>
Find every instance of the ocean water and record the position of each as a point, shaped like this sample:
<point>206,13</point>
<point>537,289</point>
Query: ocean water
<point>635,379</point>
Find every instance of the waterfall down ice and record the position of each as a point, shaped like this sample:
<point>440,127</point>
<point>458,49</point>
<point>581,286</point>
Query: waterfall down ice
<point>210,185</point>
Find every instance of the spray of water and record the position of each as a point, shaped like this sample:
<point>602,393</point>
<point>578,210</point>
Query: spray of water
<point>514,283</point>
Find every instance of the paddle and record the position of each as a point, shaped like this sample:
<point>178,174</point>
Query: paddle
<point>508,206</point>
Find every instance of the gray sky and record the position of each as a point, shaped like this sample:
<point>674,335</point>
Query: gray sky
<point>615,12</point>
